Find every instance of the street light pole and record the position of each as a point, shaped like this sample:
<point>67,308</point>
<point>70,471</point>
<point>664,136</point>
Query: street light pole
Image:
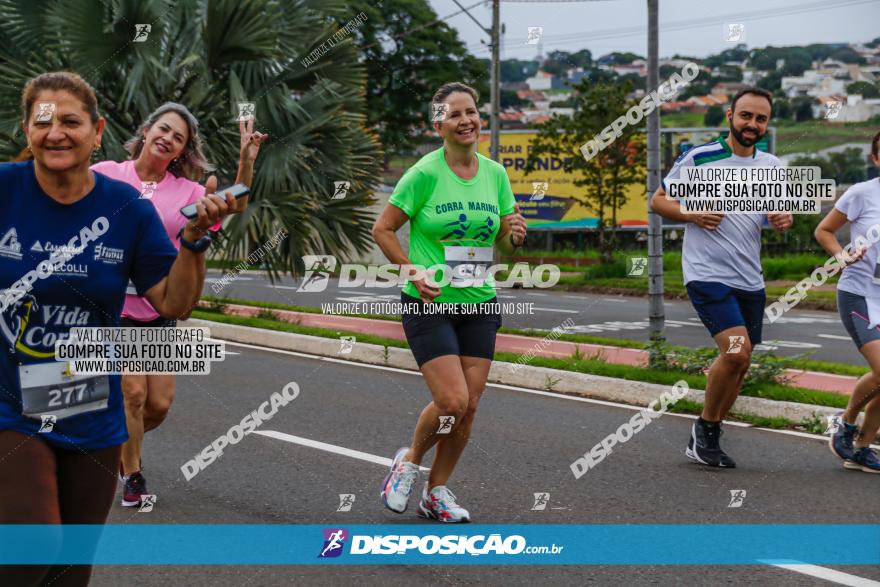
<point>656,317</point>
<point>495,91</point>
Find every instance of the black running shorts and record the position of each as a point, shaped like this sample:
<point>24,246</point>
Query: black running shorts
<point>468,332</point>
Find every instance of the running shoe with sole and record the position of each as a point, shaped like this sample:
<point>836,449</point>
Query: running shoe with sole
<point>864,459</point>
<point>135,487</point>
<point>440,505</point>
<point>842,437</point>
<point>704,447</point>
<point>399,483</point>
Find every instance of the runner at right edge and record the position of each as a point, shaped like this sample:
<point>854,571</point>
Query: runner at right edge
<point>858,302</point>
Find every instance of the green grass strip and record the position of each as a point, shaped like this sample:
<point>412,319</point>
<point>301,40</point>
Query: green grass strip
<point>589,366</point>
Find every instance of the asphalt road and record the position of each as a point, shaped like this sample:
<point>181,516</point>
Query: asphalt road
<point>523,442</point>
<point>816,334</point>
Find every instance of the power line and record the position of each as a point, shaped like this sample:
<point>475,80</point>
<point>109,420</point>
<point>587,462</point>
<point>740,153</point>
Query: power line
<point>428,24</point>
<point>688,24</point>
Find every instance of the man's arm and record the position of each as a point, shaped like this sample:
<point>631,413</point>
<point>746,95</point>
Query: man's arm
<point>671,209</point>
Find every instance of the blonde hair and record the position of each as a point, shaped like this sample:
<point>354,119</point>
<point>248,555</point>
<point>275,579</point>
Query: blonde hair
<point>191,164</point>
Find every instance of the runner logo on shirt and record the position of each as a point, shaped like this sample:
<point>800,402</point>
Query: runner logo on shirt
<point>479,230</point>
<point>109,255</point>
<point>9,245</point>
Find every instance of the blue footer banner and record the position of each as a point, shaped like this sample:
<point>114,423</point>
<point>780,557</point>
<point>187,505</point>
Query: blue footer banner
<point>469,544</point>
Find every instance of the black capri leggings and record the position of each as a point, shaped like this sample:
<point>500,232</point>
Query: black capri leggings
<point>41,484</point>
<point>466,334</point>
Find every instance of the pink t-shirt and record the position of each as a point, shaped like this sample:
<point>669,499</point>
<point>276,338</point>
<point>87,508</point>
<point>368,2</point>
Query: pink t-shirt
<point>168,197</point>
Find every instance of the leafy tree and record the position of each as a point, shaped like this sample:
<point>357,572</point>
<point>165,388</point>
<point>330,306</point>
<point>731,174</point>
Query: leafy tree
<point>210,55</point>
<point>604,178</point>
<point>619,58</point>
<point>408,55</point>
<point>848,165</point>
<point>866,89</point>
<point>738,53</point>
<point>782,109</point>
<point>714,116</point>
<point>557,62</point>
<point>771,82</point>
<point>509,99</point>
<point>844,167</point>
<point>803,108</point>
<point>515,70</point>
<point>847,55</point>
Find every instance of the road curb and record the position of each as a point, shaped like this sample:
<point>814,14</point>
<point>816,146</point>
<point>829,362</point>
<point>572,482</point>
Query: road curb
<point>637,393</point>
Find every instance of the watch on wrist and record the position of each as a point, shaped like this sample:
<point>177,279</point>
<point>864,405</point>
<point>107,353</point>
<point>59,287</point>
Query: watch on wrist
<point>199,246</point>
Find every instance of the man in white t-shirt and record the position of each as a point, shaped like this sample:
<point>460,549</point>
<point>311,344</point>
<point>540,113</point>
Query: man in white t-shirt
<point>721,262</point>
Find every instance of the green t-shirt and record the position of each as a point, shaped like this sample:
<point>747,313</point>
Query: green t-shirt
<point>446,210</point>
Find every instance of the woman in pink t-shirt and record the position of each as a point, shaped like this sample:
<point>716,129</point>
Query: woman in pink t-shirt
<point>166,163</point>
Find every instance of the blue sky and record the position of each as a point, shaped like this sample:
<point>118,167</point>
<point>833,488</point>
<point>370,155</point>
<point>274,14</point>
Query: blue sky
<point>687,27</point>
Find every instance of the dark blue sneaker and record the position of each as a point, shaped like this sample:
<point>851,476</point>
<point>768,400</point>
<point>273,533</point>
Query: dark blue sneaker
<point>842,436</point>
<point>704,446</point>
<point>864,459</point>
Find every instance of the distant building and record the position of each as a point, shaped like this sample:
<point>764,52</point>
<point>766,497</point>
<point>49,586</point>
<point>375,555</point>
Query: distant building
<point>540,81</point>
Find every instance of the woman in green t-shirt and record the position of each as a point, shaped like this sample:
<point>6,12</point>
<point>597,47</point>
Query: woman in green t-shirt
<point>458,204</point>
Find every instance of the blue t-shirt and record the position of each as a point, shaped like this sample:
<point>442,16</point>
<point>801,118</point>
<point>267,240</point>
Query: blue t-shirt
<point>110,236</point>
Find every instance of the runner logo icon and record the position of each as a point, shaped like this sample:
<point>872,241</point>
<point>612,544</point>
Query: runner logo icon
<point>638,266</point>
<point>541,500</point>
<point>334,541</point>
<point>446,424</point>
<point>48,423</point>
<point>736,344</point>
<point>340,189</point>
<point>318,270</point>
<point>147,503</point>
<point>346,500</point>
<point>737,496</point>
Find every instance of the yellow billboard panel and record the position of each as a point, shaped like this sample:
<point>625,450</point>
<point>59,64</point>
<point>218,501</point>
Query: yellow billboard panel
<point>556,208</point>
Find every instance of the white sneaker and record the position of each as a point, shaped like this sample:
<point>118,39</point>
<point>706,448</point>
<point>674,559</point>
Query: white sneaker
<point>440,505</point>
<point>399,483</point>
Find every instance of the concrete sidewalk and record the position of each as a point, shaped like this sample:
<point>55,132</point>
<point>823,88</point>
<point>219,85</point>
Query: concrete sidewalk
<point>512,343</point>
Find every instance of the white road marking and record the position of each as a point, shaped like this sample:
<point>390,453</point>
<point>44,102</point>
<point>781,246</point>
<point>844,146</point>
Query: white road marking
<point>834,336</point>
<point>827,574</point>
<point>339,450</point>
<point>575,297</point>
<point>614,300</point>
<point>285,287</point>
<point>831,575</point>
<point>530,391</point>
<point>534,293</point>
<point>555,310</point>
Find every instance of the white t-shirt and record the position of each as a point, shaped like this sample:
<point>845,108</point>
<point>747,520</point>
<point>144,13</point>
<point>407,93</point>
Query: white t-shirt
<point>861,206</point>
<point>730,254</point>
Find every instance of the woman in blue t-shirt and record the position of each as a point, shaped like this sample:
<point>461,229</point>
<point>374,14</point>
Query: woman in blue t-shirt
<point>70,241</point>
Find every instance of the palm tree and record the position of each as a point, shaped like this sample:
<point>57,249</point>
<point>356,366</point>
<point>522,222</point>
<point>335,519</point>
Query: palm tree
<point>211,55</point>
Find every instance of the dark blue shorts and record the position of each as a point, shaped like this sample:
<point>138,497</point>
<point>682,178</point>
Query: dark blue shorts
<point>466,334</point>
<point>721,307</point>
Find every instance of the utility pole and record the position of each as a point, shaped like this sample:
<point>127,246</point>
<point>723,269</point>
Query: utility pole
<point>495,92</point>
<point>494,73</point>
<point>656,315</point>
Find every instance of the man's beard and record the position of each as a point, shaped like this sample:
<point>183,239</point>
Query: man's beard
<point>743,140</point>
